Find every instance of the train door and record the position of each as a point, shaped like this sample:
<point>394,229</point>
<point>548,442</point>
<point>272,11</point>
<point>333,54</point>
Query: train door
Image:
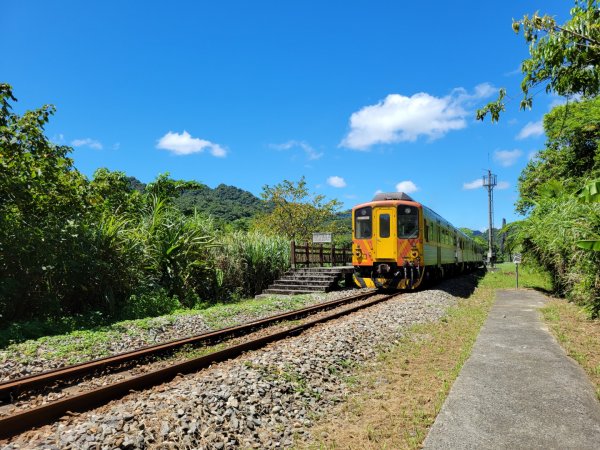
<point>385,240</point>
<point>438,240</point>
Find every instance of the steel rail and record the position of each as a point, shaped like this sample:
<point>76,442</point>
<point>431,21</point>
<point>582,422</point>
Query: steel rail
<point>45,414</point>
<point>12,387</point>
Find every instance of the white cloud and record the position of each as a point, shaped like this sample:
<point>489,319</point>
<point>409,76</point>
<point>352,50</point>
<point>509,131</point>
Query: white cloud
<point>503,185</point>
<point>398,118</point>
<point>87,142</point>
<point>378,191</point>
<point>513,72</point>
<point>337,182</point>
<point>408,187</point>
<point>507,158</point>
<point>116,146</point>
<point>475,184</point>
<point>185,144</point>
<point>531,129</point>
<point>311,153</point>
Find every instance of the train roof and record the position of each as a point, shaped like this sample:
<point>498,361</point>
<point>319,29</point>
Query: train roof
<point>389,198</point>
<point>392,196</point>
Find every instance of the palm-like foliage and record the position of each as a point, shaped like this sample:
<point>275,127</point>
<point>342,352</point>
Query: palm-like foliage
<point>175,247</point>
<point>590,193</point>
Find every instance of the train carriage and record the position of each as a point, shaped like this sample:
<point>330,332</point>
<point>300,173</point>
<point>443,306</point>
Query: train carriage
<point>397,243</point>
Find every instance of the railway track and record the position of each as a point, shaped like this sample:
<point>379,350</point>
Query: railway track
<point>26,419</point>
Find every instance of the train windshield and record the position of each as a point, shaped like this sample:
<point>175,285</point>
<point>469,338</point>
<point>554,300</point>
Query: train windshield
<point>363,223</point>
<point>408,222</point>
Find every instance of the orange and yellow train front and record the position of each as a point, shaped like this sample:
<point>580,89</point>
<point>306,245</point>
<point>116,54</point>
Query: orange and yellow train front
<point>387,244</point>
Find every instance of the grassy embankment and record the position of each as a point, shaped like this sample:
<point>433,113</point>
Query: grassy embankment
<point>82,344</point>
<point>577,334</point>
<point>395,400</point>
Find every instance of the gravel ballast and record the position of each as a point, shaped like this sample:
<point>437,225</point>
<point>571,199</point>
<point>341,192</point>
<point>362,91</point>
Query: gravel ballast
<point>260,400</point>
<point>46,354</point>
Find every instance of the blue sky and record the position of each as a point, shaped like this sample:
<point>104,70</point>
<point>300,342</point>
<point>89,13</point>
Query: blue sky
<point>357,96</point>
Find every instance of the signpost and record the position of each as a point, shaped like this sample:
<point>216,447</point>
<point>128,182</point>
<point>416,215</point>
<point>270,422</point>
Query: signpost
<point>517,261</point>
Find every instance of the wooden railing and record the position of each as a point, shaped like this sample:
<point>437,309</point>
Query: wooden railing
<point>320,255</point>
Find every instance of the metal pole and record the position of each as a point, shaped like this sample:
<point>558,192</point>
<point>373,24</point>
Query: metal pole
<point>489,182</point>
<point>517,268</point>
<point>491,220</point>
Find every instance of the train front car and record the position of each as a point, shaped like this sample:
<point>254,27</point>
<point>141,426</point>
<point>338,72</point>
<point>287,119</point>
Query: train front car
<point>387,242</point>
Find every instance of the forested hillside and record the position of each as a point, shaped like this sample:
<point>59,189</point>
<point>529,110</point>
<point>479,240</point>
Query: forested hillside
<point>225,204</point>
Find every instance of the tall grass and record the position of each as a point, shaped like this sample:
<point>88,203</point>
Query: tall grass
<point>549,236</point>
<point>247,262</point>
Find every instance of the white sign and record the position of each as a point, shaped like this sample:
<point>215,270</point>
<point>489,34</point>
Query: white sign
<point>517,258</point>
<point>321,238</point>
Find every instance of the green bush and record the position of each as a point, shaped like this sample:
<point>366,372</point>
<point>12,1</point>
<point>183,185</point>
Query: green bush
<point>150,304</point>
<point>550,235</point>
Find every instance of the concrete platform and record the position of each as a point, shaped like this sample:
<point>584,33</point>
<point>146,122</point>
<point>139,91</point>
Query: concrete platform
<point>518,390</point>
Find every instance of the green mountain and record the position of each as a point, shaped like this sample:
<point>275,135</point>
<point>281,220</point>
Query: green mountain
<point>226,203</point>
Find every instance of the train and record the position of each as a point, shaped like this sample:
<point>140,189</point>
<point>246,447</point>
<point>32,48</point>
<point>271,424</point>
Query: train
<point>399,243</point>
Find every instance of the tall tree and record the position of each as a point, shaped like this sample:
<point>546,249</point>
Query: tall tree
<point>42,200</point>
<point>571,154</point>
<point>565,59</point>
<point>296,212</point>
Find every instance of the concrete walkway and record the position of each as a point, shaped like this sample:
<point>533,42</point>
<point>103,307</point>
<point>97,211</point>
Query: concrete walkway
<point>518,389</point>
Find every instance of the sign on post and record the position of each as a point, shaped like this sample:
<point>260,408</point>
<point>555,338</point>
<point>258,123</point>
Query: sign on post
<point>517,261</point>
<point>321,238</point>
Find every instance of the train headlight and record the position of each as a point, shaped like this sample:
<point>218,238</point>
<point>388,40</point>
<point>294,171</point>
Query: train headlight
<point>358,253</point>
<point>414,253</point>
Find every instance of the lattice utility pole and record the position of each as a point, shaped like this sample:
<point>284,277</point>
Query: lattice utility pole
<point>489,182</point>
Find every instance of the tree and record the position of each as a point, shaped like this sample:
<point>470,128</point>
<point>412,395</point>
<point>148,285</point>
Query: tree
<point>59,252</point>
<point>296,213</point>
<point>42,199</point>
<point>563,58</point>
<point>165,187</point>
<point>114,192</point>
<point>571,155</point>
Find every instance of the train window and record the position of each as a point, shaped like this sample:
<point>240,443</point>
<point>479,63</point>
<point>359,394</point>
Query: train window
<point>426,230</point>
<point>384,225</point>
<point>363,223</point>
<point>408,222</point>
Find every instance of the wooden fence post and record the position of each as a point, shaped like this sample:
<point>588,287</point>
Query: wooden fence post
<point>307,255</point>
<point>321,255</point>
<point>333,255</point>
<point>293,254</point>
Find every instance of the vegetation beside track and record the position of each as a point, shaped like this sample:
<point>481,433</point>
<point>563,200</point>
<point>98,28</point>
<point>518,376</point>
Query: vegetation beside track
<point>82,345</point>
<point>395,400</point>
<point>577,334</point>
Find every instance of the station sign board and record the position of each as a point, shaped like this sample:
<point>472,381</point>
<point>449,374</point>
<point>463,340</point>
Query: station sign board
<point>321,238</point>
<point>517,258</point>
